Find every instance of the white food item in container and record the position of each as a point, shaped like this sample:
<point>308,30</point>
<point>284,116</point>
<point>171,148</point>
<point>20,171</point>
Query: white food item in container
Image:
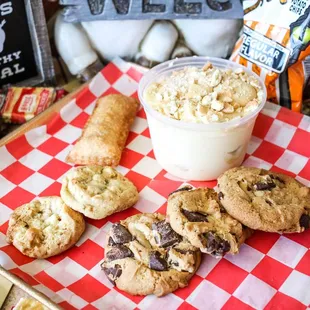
<point>191,139</point>
<point>205,95</point>
<point>198,155</point>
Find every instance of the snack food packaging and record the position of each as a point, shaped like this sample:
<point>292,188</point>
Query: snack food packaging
<point>274,45</point>
<point>197,151</point>
<point>23,103</point>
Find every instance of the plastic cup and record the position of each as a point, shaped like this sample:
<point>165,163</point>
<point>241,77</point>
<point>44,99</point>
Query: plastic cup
<point>197,151</point>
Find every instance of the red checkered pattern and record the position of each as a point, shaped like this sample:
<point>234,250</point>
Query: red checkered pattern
<point>271,272</point>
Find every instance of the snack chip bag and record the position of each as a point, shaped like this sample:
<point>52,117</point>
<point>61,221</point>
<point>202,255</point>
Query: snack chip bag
<point>275,45</point>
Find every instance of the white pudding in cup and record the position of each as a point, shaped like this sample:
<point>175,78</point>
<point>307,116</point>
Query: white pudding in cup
<point>201,112</point>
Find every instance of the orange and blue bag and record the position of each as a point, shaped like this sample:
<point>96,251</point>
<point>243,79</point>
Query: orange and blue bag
<point>276,45</point>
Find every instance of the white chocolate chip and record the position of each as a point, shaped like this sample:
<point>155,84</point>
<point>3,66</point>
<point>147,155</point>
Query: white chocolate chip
<point>216,78</point>
<point>173,107</point>
<point>214,118</point>
<point>217,105</point>
<point>159,97</point>
<point>259,193</point>
<point>166,96</point>
<point>228,108</point>
<point>206,100</point>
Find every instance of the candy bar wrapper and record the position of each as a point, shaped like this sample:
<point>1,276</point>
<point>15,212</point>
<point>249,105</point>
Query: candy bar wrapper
<point>60,93</point>
<point>23,103</point>
<point>2,100</point>
<point>276,46</point>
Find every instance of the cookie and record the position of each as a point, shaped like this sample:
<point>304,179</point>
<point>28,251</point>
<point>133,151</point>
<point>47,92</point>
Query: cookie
<point>44,227</point>
<point>265,200</point>
<point>196,214</point>
<point>145,256</point>
<point>97,191</point>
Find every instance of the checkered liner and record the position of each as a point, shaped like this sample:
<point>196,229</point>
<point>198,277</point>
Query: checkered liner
<point>271,272</point>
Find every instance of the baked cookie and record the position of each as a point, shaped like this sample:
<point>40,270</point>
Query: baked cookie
<point>97,191</point>
<point>145,256</point>
<point>44,227</point>
<point>265,200</point>
<point>196,214</point>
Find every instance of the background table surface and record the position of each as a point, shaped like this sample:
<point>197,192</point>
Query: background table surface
<point>271,271</point>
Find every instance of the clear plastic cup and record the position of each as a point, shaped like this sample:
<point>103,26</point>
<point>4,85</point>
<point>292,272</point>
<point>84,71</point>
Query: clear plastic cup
<point>196,151</point>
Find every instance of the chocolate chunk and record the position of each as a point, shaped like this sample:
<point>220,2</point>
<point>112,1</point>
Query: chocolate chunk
<point>269,202</point>
<point>118,252</point>
<point>194,216</point>
<point>184,251</point>
<point>157,262</point>
<point>120,234</point>
<point>305,221</point>
<point>216,245</point>
<point>167,236</point>
<point>260,186</point>
<point>222,209</point>
<point>111,242</point>
<point>185,188</point>
<point>220,195</point>
<point>277,178</point>
<point>113,273</point>
<point>280,180</point>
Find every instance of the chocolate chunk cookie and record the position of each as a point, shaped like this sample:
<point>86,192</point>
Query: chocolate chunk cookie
<point>265,200</point>
<point>197,215</point>
<point>145,256</point>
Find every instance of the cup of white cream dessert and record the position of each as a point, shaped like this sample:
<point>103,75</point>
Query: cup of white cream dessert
<point>201,112</point>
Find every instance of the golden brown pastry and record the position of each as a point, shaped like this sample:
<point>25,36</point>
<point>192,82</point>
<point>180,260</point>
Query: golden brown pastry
<point>105,133</point>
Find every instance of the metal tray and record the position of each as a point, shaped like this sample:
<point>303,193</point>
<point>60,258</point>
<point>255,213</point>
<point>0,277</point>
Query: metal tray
<point>20,289</point>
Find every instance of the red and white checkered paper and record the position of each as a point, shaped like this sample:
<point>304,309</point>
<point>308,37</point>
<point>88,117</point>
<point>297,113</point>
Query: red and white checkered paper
<point>272,271</point>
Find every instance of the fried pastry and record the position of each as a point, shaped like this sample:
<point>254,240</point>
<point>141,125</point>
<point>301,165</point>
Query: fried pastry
<point>106,132</point>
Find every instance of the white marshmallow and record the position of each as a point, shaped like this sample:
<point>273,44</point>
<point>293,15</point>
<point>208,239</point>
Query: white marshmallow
<point>112,38</point>
<point>73,46</point>
<point>214,38</point>
<point>159,42</point>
